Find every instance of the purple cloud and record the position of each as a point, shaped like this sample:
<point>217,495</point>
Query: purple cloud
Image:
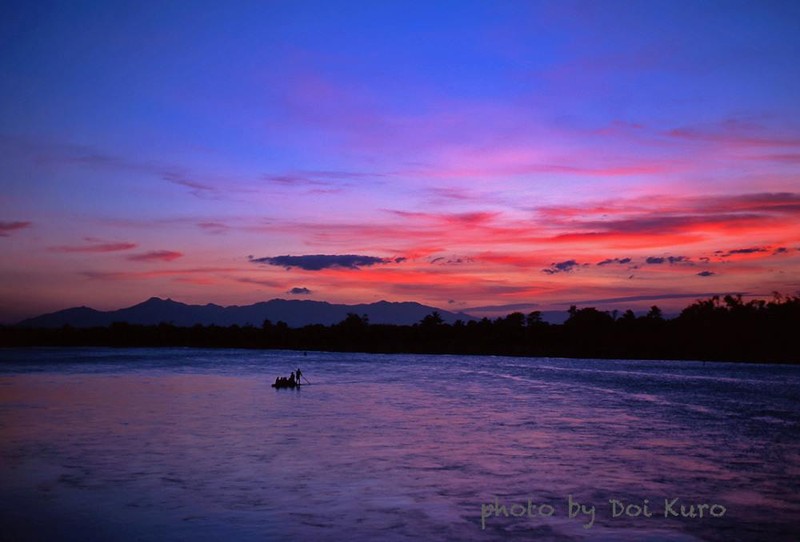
<point>646,297</point>
<point>7,228</point>
<point>215,228</point>
<point>156,256</point>
<point>196,188</point>
<point>562,267</point>
<point>751,250</point>
<point>95,247</point>
<point>614,260</point>
<point>653,260</point>
<point>441,260</point>
<point>299,291</point>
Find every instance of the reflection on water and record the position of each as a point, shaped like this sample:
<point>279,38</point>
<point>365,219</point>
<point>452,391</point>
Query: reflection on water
<point>175,444</point>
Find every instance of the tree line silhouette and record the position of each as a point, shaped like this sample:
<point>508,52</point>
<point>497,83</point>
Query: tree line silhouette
<point>726,329</point>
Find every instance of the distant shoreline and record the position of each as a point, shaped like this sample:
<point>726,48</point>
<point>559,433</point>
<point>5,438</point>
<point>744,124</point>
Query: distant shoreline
<point>726,330</point>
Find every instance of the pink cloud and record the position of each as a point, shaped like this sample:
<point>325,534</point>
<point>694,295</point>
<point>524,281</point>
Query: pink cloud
<point>665,216</point>
<point>736,133</point>
<point>656,221</point>
<point>468,219</point>
<point>156,256</point>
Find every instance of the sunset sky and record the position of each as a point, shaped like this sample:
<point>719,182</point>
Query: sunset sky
<point>511,155</point>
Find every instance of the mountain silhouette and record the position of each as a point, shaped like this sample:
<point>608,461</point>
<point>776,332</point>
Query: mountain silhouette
<point>296,313</point>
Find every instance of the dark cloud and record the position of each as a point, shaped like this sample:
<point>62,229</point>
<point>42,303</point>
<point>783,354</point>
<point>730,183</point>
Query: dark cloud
<point>562,267</point>
<point>614,260</point>
<point>705,273</point>
<point>750,250</point>
<point>299,291</point>
<point>747,250</point>
<point>781,250</point>
<point>441,260</point>
<point>317,262</point>
<point>667,259</point>
<point>7,227</point>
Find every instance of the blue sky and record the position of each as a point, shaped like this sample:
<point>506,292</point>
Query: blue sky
<point>171,148</point>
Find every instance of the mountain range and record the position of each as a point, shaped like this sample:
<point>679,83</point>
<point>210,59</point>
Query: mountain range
<point>296,313</point>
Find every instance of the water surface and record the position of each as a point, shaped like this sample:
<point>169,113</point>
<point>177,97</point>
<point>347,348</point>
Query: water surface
<point>168,444</point>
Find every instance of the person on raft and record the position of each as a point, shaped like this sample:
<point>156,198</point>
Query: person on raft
<point>299,374</point>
